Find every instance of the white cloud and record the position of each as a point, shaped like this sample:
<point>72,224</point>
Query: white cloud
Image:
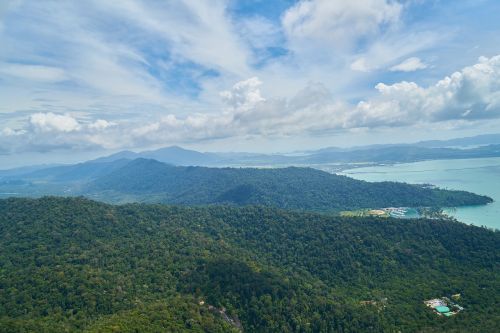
<point>7,131</point>
<point>348,39</point>
<point>409,65</point>
<point>119,92</point>
<point>244,95</point>
<point>65,123</point>
<point>390,48</point>
<point>43,132</point>
<point>198,31</point>
<point>33,72</point>
<point>469,95</point>
<point>111,73</point>
<point>100,125</point>
<point>360,65</point>
<point>338,24</point>
<point>48,122</point>
<point>101,74</point>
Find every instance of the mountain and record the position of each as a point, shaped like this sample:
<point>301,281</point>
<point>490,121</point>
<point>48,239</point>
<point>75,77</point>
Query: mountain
<point>294,188</point>
<point>147,180</point>
<point>484,139</point>
<point>74,265</point>
<point>126,154</point>
<point>399,154</point>
<point>78,172</point>
<point>478,140</point>
<point>179,156</point>
<point>172,155</point>
<point>23,170</point>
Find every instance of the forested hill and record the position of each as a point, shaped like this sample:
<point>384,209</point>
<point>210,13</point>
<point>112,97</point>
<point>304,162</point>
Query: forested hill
<point>291,188</point>
<point>74,265</point>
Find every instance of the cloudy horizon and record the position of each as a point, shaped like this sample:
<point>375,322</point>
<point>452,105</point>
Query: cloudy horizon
<point>81,79</point>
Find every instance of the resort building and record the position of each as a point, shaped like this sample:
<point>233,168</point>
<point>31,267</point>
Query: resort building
<point>443,306</point>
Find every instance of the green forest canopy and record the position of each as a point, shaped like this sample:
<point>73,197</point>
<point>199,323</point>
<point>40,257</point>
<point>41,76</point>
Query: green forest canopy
<point>288,188</point>
<point>303,189</point>
<point>81,266</point>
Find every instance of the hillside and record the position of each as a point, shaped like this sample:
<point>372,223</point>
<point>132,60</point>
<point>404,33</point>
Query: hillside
<point>80,172</point>
<point>82,266</point>
<point>294,188</point>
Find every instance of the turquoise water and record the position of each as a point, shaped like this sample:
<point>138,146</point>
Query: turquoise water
<point>481,176</point>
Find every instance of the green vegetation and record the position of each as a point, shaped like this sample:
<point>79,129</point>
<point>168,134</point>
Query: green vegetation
<point>288,188</point>
<point>81,266</point>
<point>303,189</point>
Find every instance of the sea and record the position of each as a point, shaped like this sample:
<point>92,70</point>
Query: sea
<point>479,175</point>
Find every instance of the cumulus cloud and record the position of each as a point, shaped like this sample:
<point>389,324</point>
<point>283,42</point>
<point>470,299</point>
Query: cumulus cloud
<point>100,125</point>
<point>49,131</point>
<point>49,122</point>
<point>65,123</point>
<point>244,95</point>
<point>470,94</point>
<point>409,65</point>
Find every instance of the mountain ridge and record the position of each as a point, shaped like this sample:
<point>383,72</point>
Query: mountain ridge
<point>380,153</point>
<point>291,187</point>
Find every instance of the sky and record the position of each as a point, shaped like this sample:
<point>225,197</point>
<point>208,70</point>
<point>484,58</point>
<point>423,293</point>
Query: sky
<point>80,79</point>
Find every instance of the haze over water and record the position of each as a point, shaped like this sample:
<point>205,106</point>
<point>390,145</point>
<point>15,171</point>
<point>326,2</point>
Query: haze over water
<point>481,176</point>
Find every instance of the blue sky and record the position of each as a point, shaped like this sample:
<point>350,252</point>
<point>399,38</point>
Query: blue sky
<point>83,78</point>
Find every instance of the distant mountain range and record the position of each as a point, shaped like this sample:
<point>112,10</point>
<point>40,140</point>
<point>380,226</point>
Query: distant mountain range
<point>485,139</point>
<point>465,142</point>
<point>461,148</point>
<point>485,146</point>
<point>376,154</point>
<point>399,154</point>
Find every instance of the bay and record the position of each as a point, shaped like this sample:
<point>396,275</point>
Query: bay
<point>481,176</point>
